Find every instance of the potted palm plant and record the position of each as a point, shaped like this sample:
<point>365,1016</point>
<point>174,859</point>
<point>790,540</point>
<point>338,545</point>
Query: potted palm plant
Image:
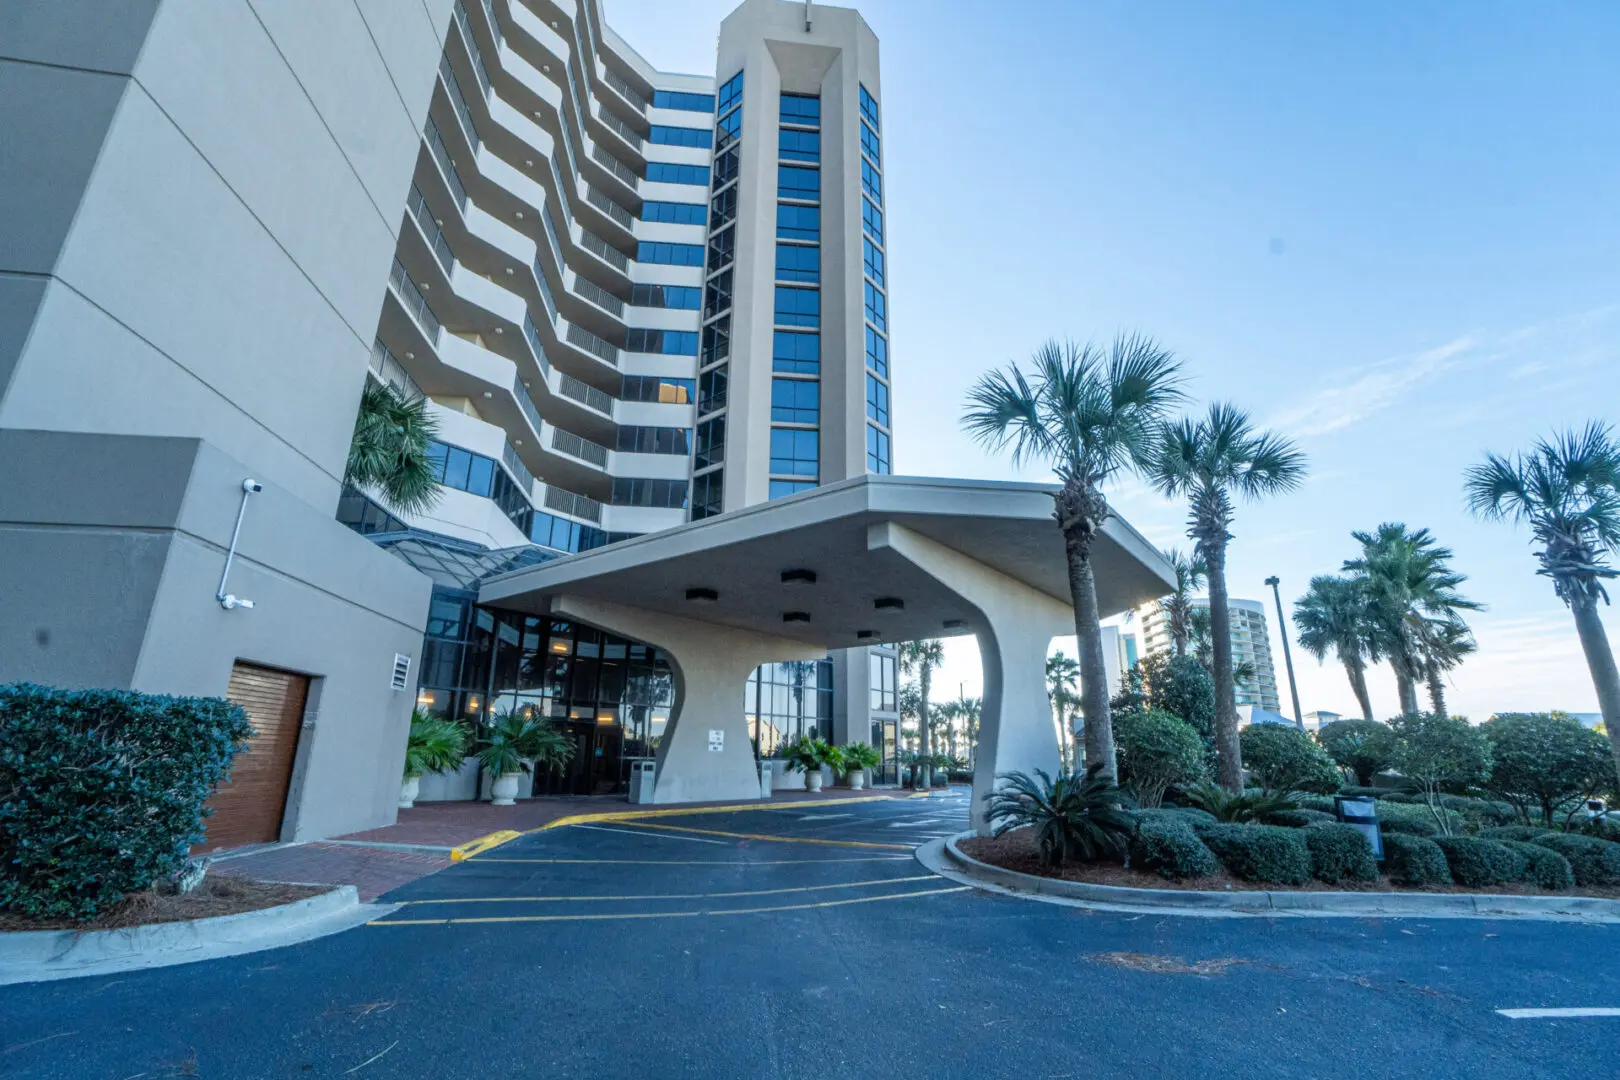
<point>859,760</point>
<point>513,745</point>
<point>435,745</point>
<point>809,755</point>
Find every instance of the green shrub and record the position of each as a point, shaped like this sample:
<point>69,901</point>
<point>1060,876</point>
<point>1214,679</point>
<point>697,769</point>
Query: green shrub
<point>1222,805</point>
<point>1480,813</point>
<point>103,791</point>
<point>1261,852</point>
<point>1407,827</point>
<point>1479,863</point>
<point>1298,819</point>
<point>1156,750</point>
<point>1075,815</point>
<point>1357,791</point>
<point>1284,759</point>
<point>1543,867</point>
<point>1340,853</point>
<point>1166,845</point>
<point>1520,833</point>
<point>1362,746</point>
<point>1199,819</point>
<point>1415,860</point>
<point>1594,861</point>
<point>1322,804</point>
<point>960,776</point>
<point>1417,812</point>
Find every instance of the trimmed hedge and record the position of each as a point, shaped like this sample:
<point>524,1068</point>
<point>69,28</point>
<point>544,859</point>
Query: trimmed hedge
<point>1594,861</point>
<point>1478,863</point>
<point>1543,867</point>
<point>1407,827</point>
<point>1298,819</point>
<point>1521,833</point>
<point>1415,860</point>
<point>1199,819</point>
<point>1168,847</point>
<point>1268,853</point>
<point>1322,804</point>
<point>103,791</point>
<point>1339,853</point>
<point>1395,811</point>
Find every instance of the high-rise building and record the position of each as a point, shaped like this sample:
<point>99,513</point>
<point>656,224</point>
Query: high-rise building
<point>632,299</point>
<point>1251,644</point>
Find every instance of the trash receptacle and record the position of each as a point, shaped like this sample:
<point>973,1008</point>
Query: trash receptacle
<point>1362,813</point>
<point>764,779</point>
<point>643,775</point>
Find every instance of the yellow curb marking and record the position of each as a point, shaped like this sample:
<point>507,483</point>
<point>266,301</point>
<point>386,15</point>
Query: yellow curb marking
<point>701,862</point>
<point>483,843</point>
<point>665,914</point>
<point>664,896</point>
<point>684,811</point>
<point>779,839</point>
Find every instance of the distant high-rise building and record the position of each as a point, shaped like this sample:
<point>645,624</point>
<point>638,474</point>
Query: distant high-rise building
<point>1251,644</point>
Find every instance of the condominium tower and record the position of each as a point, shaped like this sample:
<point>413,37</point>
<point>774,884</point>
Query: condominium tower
<point>1251,644</point>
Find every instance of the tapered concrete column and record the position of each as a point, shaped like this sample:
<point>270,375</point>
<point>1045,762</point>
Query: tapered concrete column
<point>1015,626</point>
<point>711,664</point>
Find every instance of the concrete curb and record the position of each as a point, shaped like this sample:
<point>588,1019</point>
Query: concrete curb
<point>46,955</point>
<point>948,860</point>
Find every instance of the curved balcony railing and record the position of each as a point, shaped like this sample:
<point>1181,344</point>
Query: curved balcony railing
<point>414,302</point>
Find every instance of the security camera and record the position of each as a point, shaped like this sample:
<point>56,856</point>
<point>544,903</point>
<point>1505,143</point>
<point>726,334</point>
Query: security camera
<point>251,485</point>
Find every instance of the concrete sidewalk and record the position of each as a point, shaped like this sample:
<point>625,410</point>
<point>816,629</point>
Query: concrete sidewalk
<point>420,842</point>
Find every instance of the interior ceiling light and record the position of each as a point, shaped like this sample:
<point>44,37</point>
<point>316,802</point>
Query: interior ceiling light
<point>795,616</point>
<point>798,577</point>
<point>702,596</point>
<point>889,603</point>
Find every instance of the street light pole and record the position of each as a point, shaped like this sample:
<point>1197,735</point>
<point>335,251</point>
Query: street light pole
<point>1288,657</point>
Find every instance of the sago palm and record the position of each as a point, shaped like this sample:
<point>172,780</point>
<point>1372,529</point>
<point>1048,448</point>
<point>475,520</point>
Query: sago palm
<point>1076,815</point>
<point>1091,413</point>
<point>1335,615</point>
<point>389,450</point>
<point>920,658</point>
<point>1191,575</point>
<point>1211,462</point>
<point>1411,587</point>
<point>1567,489</point>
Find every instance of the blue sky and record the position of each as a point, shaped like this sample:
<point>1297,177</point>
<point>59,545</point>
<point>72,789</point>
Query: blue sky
<point>1390,230</point>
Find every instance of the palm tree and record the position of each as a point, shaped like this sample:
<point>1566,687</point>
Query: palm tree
<point>1411,588</point>
<point>1209,462</point>
<point>1444,644</point>
<point>1201,638</point>
<point>1191,575</point>
<point>970,708</point>
<point>1568,490</point>
<point>389,450</point>
<point>1092,413</point>
<point>1063,690</point>
<point>920,658</point>
<point>1335,614</point>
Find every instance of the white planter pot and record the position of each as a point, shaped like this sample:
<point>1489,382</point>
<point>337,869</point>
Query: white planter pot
<point>408,790</point>
<point>812,780</point>
<point>857,779</point>
<point>503,792</point>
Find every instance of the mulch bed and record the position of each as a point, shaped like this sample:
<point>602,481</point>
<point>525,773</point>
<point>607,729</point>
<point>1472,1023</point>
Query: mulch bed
<point>1016,851</point>
<point>217,895</point>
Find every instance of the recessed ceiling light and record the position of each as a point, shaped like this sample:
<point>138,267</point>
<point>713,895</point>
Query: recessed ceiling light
<point>520,215</point>
<point>439,222</point>
<point>889,603</point>
<point>517,442</point>
<point>702,596</point>
<point>488,394</point>
<point>423,285</point>
<point>955,624</point>
<point>866,635</point>
<point>798,577</point>
<point>500,330</point>
<point>795,616</point>
<point>410,356</point>
<point>529,162</point>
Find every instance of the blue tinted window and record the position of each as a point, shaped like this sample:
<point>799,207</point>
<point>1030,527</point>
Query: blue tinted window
<point>801,109</point>
<point>686,297</point>
<point>872,220</point>
<point>793,182</point>
<point>797,307</point>
<point>877,451</point>
<point>680,99</point>
<point>798,222</point>
<point>480,476</point>
<point>798,145</point>
<point>874,260</point>
<point>673,342</point>
<point>877,400</point>
<point>681,136</point>
<point>869,108</point>
<point>877,307</point>
<point>794,263</point>
<point>795,401</point>
<point>670,254</point>
<point>871,181</point>
<point>795,453</point>
<point>665,172</point>
<point>727,130</point>
<point>877,352</point>
<point>781,489</point>
<point>730,95</point>
<point>796,354</point>
<point>456,464</point>
<point>674,213</point>
<point>869,143</point>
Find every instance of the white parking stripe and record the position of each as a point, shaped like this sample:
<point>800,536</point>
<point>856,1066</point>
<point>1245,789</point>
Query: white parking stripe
<point>1555,1014</point>
<point>651,836</point>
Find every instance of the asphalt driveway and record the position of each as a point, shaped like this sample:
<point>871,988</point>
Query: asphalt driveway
<point>806,942</point>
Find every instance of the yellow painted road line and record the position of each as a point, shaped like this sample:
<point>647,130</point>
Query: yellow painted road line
<point>698,862</point>
<point>483,843</point>
<point>665,896</point>
<point>778,839</point>
<point>686,811</point>
<point>604,916</point>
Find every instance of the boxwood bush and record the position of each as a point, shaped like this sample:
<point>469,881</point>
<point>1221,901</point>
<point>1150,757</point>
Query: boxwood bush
<point>1523,833</point>
<point>1543,867</point>
<point>1298,819</point>
<point>1407,827</point>
<point>1165,844</point>
<point>102,791</point>
<point>1339,853</point>
<point>1322,804</point>
<point>1415,860</point>
<point>1594,861</point>
<point>1479,863</point>
<point>1270,853</point>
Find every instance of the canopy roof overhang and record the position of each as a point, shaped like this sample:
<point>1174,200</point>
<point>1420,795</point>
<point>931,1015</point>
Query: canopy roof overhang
<point>837,533</point>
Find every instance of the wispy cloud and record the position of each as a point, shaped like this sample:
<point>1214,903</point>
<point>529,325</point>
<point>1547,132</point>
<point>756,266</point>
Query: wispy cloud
<point>1374,390</point>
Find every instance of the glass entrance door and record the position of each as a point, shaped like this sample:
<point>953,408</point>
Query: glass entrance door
<point>885,740</point>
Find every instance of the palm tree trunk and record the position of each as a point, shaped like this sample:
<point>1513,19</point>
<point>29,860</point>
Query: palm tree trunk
<point>1600,661</point>
<point>1228,752</point>
<point>922,775</point>
<point>1437,686</point>
<point>1093,674</point>
<point>1405,685</point>
<point>1357,671</point>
